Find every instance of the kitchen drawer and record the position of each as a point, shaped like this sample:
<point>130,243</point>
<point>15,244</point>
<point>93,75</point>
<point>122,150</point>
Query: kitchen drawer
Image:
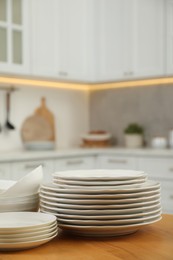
<point>75,163</point>
<point>19,169</point>
<point>157,167</point>
<point>167,196</point>
<point>5,171</point>
<point>116,162</point>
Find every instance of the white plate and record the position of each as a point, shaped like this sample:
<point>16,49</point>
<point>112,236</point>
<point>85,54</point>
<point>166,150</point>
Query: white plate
<point>23,220</point>
<point>99,175</point>
<point>118,214</point>
<point>14,232</point>
<point>115,201</point>
<point>148,185</point>
<point>32,233</point>
<point>128,207</point>
<point>86,212</point>
<point>35,237</point>
<point>24,245</point>
<point>108,222</point>
<point>103,231</point>
<point>57,180</point>
<point>115,216</point>
<point>88,198</point>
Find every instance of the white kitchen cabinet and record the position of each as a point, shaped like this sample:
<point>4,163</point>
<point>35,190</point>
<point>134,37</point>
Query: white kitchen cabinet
<point>149,55</point>
<point>59,40</point>
<point>21,168</point>
<point>131,39</point>
<point>5,171</point>
<point>14,36</point>
<point>116,162</point>
<point>75,163</point>
<point>160,169</point>
<point>72,40</point>
<point>43,38</point>
<point>169,33</point>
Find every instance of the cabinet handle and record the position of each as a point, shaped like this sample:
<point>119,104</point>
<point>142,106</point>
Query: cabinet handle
<point>171,197</point>
<point>31,166</point>
<point>63,73</point>
<point>117,161</point>
<point>74,162</point>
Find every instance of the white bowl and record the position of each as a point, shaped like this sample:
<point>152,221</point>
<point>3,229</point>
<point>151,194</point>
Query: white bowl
<point>159,143</point>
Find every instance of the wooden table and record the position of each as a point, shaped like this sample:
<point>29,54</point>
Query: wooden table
<point>152,242</point>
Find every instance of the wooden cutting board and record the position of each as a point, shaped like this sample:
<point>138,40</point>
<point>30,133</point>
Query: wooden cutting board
<point>40,126</point>
<point>45,113</point>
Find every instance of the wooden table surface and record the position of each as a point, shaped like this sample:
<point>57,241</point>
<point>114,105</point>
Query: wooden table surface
<point>152,242</point>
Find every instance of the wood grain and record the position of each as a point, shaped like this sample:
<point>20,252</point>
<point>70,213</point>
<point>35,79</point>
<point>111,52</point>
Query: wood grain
<point>44,112</point>
<point>152,242</point>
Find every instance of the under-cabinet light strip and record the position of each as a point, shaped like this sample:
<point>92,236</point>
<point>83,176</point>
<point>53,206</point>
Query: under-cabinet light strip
<point>14,81</point>
<point>42,83</point>
<point>134,83</point>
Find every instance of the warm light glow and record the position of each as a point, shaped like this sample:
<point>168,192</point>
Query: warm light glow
<point>42,83</point>
<point>14,81</point>
<point>134,83</point>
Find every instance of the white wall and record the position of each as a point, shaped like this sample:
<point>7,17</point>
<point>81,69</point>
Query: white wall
<point>70,109</point>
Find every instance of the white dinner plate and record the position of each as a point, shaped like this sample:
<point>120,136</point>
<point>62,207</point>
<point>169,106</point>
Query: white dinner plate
<point>59,181</point>
<point>99,198</point>
<point>106,231</point>
<point>86,211</point>
<point>129,206</point>
<point>107,222</point>
<point>99,175</point>
<point>148,185</point>
<point>117,214</point>
<point>113,216</point>
<point>23,220</point>
<point>24,245</point>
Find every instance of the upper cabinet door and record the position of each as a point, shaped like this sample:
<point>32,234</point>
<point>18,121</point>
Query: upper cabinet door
<point>43,40</point>
<point>14,36</point>
<point>169,12</point>
<point>148,38</point>
<point>111,39</point>
<point>72,39</point>
<point>131,41</point>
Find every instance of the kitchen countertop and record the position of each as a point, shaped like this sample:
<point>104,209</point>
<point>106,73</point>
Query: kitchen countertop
<point>60,153</point>
<point>154,241</point>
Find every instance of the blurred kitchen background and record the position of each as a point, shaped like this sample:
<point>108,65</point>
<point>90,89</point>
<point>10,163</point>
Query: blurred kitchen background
<point>104,68</point>
<point>89,42</point>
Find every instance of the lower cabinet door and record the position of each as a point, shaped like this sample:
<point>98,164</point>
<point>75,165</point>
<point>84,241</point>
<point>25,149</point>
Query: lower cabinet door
<point>116,162</point>
<point>167,196</point>
<point>19,169</point>
<point>5,171</point>
<point>75,163</point>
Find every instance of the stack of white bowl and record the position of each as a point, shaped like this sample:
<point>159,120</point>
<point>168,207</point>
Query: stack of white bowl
<point>24,230</point>
<point>22,195</point>
<point>101,202</point>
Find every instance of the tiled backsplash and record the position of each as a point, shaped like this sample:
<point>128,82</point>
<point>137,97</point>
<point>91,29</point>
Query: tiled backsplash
<point>152,107</point>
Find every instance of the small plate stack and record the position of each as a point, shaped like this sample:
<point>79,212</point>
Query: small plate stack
<point>21,195</point>
<point>101,202</point>
<point>24,230</point>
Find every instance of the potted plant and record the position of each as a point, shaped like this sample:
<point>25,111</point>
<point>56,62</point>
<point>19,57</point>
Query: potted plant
<point>133,135</point>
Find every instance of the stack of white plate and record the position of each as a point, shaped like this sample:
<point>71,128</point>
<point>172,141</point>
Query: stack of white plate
<point>24,230</point>
<point>17,202</point>
<point>101,202</point>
